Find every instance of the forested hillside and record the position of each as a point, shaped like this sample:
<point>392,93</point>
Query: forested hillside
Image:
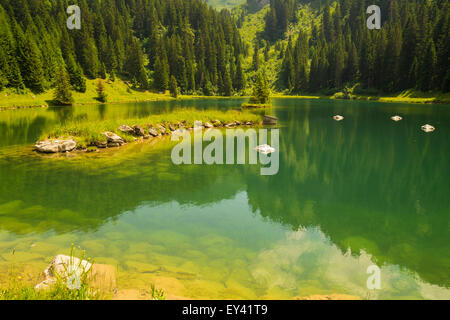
<point>301,45</point>
<point>327,45</point>
<point>145,41</point>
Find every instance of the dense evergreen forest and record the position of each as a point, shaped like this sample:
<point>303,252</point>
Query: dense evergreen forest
<point>313,46</point>
<point>145,41</point>
<point>411,50</point>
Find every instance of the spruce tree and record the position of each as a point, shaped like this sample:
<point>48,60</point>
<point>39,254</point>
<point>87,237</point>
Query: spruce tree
<point>101,93</point>
<point>63,95</point>
<point>173,87</point>
<point>161,75</point>
<point>261,90</point>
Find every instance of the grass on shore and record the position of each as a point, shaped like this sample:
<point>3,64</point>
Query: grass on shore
<point>408,96</point>
<point>86,133</point>
<point>117,91</point>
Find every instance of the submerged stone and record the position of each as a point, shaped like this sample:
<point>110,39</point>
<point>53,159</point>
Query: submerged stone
<point>396,118</point>
<point>338,118</point>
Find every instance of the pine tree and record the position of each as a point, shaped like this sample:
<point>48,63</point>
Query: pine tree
<point>101,94</point>
<point>256,58</point>
<point>239,79</point>
<point>63,95</point>
<point>29,61</point>
<point>161,75</point>
<point>261,90</point>
<point>173,87</point>
<point>227,84</point>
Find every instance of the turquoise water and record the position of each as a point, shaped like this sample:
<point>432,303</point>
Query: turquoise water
<point>348,195</point>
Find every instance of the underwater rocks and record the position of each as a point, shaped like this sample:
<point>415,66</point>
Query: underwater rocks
<point>338,118</point>
<point>55,146</point>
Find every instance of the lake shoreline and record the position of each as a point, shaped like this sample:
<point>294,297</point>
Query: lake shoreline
<point>94,135</point>
<point>119,92</point>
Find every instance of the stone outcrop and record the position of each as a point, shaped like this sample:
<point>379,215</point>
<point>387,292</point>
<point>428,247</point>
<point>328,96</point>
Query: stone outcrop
<point>153,132</point>
<point>55,146</point>
<point>161,129</point>
<point>126,129</point>
<point>138,131</point>
<point>113,139</point>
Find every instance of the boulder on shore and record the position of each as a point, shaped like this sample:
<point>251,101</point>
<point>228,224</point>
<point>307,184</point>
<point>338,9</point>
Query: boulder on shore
<point>152,131</point>
<point>113,138</point>
<point>55,146</point>
<point>71,270</point>
<point>126,129</point>
<point>138,131</point>
<point>161,129</point>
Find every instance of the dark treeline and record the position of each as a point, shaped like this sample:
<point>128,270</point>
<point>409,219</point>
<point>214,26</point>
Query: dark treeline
<point>411,50</point>
<point>144,41</point>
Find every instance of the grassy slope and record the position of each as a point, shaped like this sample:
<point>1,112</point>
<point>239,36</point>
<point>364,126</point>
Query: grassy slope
<point>220,4</point>
<point>116,91</point>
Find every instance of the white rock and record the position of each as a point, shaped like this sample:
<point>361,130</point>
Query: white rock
<point>396,118</point>
<point>338,118</point>
<point>265,149</point>
<point>111,137</point>
<point>64,267</point>
<point>55,146</point>
<point>428,128</point>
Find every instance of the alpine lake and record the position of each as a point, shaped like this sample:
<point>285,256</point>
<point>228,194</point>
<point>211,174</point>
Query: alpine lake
<point>348,195</point>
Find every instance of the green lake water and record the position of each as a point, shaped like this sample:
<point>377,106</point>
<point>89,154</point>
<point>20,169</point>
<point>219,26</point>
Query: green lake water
<point>348,195</point>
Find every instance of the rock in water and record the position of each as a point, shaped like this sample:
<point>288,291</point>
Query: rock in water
<point>113,138</point>
<point>126,129</point>
<point>396,118</point>
<point>428,128</point>
<point>265,149</point>
<point>55,146</point>
<point>269,120</point>
<point>138,131</point>
<point>208,125</point>
<point>217,123</point>
<point>338,118</point>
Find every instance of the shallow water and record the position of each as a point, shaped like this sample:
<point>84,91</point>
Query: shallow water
<point>348,195</point>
